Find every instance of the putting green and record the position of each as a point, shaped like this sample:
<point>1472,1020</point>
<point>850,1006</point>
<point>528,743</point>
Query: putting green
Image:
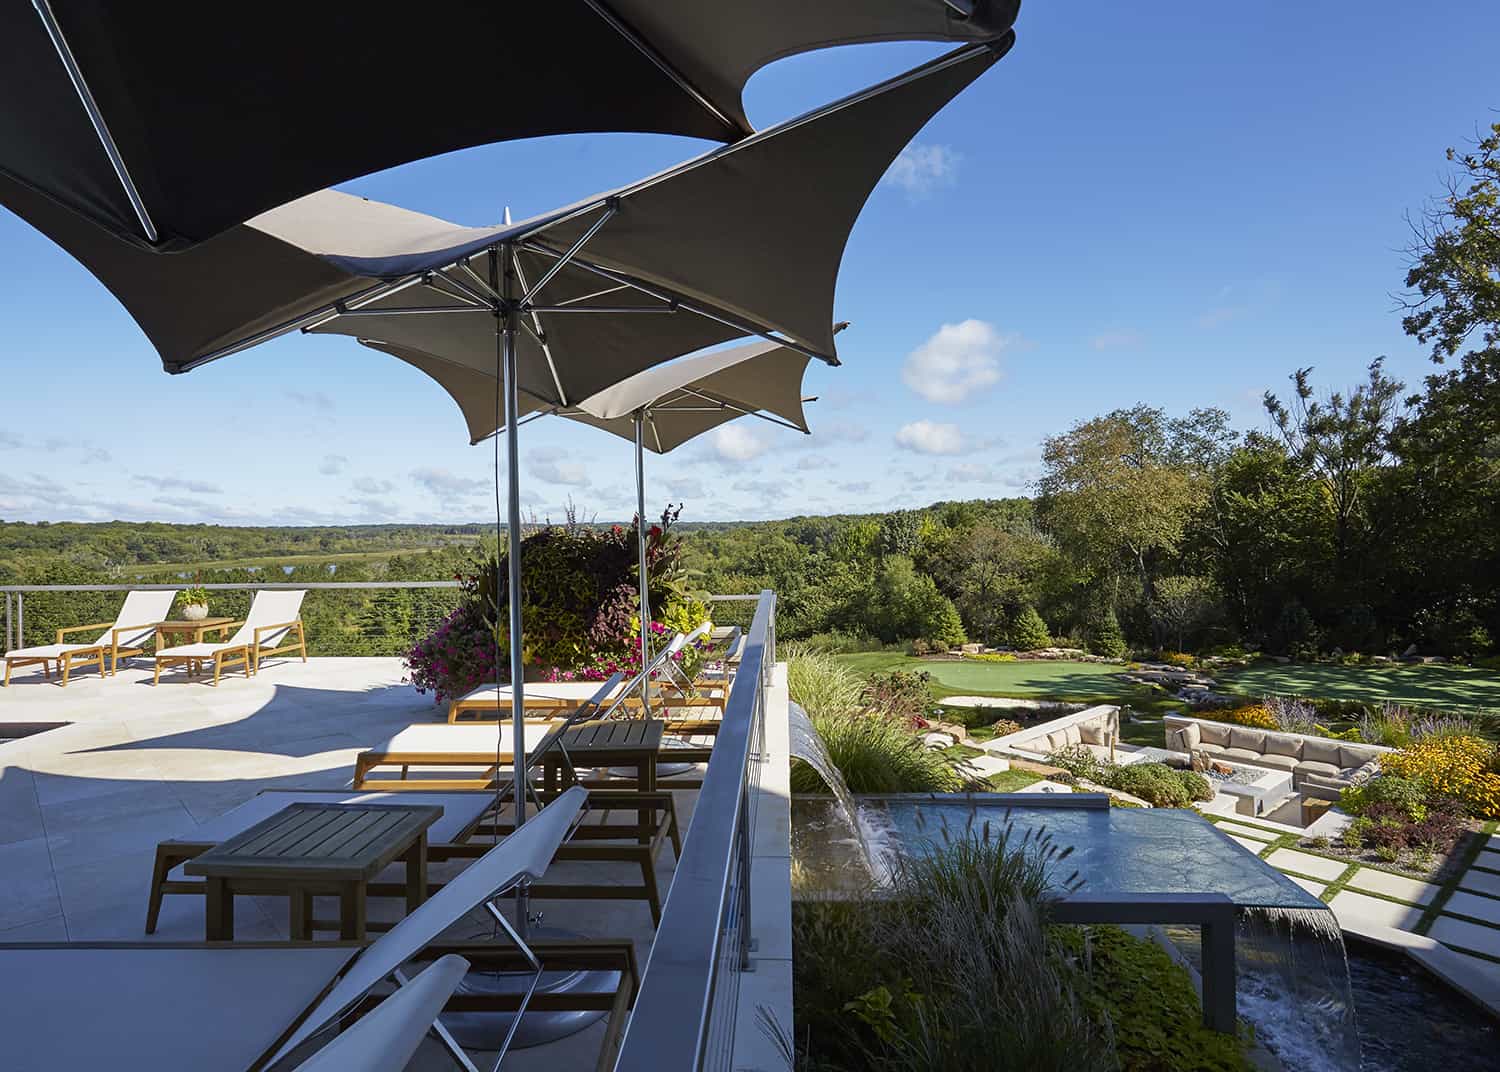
<point>1024,678</point>
<point>1422,685</point>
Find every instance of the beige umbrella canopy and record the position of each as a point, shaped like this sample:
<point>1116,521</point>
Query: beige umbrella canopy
<point>166,123</point>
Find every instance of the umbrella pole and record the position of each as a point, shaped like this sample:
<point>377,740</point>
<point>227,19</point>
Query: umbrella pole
<point>640,533</point>
<point>513,557</point>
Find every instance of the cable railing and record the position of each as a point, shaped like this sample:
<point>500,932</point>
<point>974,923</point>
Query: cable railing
<point>343,618</point>
<point>686,1012</point>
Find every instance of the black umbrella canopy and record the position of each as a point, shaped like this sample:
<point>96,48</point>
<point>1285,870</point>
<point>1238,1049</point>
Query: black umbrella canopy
<point>724,246</point>
<point>167,122</point>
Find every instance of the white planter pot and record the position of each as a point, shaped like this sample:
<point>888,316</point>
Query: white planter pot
<point>195,612</point>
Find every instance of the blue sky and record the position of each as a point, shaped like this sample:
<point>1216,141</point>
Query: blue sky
<point>1174,204</point>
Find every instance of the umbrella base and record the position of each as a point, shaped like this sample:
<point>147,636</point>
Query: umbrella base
<point>486,1030</point>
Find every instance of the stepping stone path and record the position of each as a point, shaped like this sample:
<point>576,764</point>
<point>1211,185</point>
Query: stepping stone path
<point>1477,881</point>
<point>1474,905</point>
<point>1239,830</point>
<point>1304,864</point>
<point>1371,880</point>
<point>1466,935</point>
<point>1314,888</point>
<point>988,764</point>
<point>1045,786</point>
<point>1253,846</point>
<point>1374,910</point>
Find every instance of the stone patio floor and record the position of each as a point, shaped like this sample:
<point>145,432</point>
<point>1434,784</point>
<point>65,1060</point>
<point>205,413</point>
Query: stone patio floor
<point>82,807</point>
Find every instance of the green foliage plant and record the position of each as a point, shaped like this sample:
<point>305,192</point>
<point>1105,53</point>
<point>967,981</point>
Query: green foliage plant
<point>876,754</point>
<point>1104,636</point>
<point>1026,631</point>
<point>904,695</point>
<point>194,596</point>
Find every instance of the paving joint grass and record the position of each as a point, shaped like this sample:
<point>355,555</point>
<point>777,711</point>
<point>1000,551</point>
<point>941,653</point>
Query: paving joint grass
<point>1476,846</point>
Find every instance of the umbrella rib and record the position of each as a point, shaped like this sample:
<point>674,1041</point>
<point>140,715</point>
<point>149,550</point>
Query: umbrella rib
<point>96,117</point>
<point>466,292</point>
<point>655,432</point>
<point>611,207</point>
<point>624,29</point>
<point>535,328</point>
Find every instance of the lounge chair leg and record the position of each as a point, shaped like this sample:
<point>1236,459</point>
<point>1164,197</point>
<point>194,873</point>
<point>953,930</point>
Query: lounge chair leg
<point>218,667</point>
<point>7,673</point>
<point>156,677</point>
<point>67,667</point>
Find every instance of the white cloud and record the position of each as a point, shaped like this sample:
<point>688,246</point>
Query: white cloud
<point>685,488</point>
<point>920,169</point>
<point>958,361</point>
<point>737,442</point>
<point>366,485</point>
<point>333,464</point>
<point>552,465</point>
<point>855,487</point>
<point>9,441</point>
<point>928,437</point>
<point>813,461</point>
<point>971,473</point>
<point>1117,339</point>
<point>172,483</point>
<point>442,482</point>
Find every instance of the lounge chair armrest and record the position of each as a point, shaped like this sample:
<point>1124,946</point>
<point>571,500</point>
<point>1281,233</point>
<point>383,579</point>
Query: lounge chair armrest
<point>272,628</point>
<point>115,633</point>
<point>80,629</point>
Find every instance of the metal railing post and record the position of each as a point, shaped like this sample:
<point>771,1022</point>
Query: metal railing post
<point>8,645</point>
<point>20,619</point>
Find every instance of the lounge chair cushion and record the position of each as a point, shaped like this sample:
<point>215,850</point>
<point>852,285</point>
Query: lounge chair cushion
<point>1275,762</point>
<point>1279,744</point>
<point>49,651</point>
<point>1321,750</point>
<point>198,651</point>
<point>1243,738</point>
<point>1327,770</point>
<point>1093,733</point>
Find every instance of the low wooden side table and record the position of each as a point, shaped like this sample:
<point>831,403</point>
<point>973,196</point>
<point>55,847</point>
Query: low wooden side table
<point>308,849</point>
<point>194,631</point>
<point>631,742</point>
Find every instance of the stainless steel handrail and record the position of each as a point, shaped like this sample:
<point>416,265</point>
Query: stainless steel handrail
<point>702,942</point>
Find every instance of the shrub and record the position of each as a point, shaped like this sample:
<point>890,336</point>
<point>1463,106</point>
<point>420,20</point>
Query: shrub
<point>1461,767</point>
<point>1293,714</point>
<point>838,642</point>
<point>990,656</point>
<point>1179,658</point>
<point>1155,783</point>
<point>1077,760</point>
<point>1026,631</point>
<point>1388,853</point>
<point>876,754</point>
<point>1104,636</point>
<point>900,694</point>
<point>1409,797</point>
<point>1004,727</point>
<point>1396,726</point>
<point>1352,837</point>
<point>1256,715</point>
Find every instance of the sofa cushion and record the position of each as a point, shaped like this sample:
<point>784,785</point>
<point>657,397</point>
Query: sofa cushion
<point>1321,750</point>
<point>1184,737</point>
<point>1056,739</point>
<point>1214,749</point>
<point>1312,766</point>
<point>1247,754</point>
<point>1214,732</point>
<point>1073,734</point>
<point>1093,733</point>
<point>1275,762</point>
<point>1279,744</point>
<point>1365,772</point>
<point>1247,739</point>
<point>1353,757</point>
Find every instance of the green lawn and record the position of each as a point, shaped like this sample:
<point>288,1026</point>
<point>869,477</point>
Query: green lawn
<point>1030,679</point>
<point>1421,685</point>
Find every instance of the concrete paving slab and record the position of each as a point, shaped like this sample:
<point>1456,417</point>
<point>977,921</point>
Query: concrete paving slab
<point>51,929</point>
<point>1361,908</point>
<point>1474,904</point>
<point>1478,881</point>
<point>1373,880</point>
<point>1306,864</point>
<point>1465,935</point>
<point>28,892</point>
<point>988,764</point>
<point>1314,888</point>
<point>1249,845</point>
<point>1255,834</point>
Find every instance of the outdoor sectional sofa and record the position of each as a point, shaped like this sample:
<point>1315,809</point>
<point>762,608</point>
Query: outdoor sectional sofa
<point>1095,728</point>
<point>1319,766</point>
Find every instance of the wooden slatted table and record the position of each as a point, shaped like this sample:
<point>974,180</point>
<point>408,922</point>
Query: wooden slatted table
<point>631,742</point>
<point>308,849</point>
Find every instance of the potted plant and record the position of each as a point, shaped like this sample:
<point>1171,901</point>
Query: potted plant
<point>195,603</point>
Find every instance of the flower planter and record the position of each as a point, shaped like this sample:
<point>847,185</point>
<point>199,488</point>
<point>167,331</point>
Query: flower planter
<point>195,612</point>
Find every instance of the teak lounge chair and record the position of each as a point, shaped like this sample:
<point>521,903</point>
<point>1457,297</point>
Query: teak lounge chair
<point>210,1007</point>
<point>126,636</point>
<point>266,631</point>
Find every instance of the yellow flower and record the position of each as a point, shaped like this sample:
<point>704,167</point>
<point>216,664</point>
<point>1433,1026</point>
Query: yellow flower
<point>1460,766</point>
